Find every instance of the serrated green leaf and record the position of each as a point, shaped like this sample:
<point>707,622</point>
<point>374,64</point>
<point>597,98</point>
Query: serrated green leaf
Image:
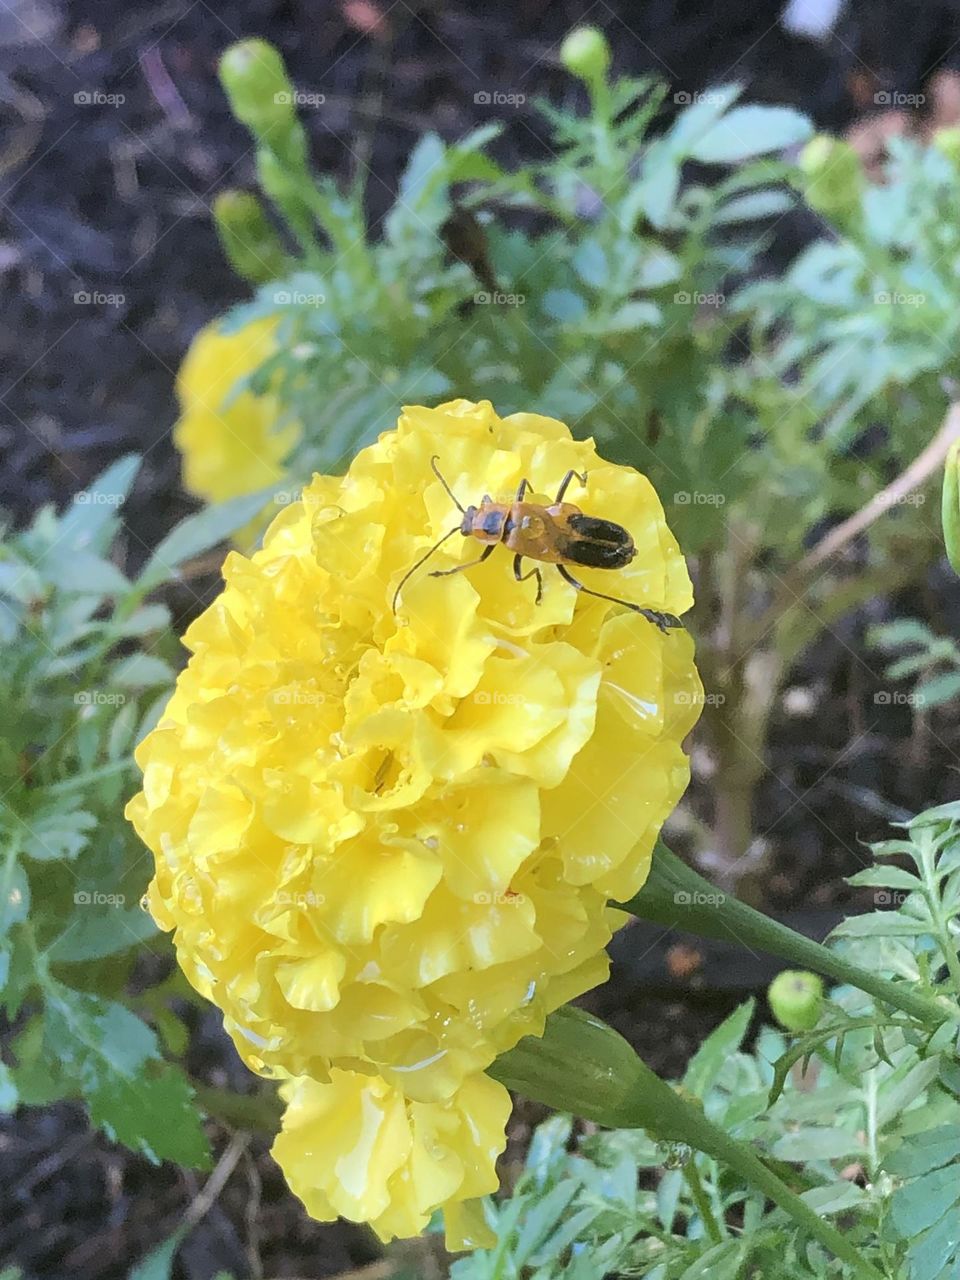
<point>881,924</point>
<point>83,573</point>
<point>142,671</point>
<point>936,1148</point>
<point>112,1060</point>
<point>903,631</point>
<point>58,835</point>
<point>887,878</point>
<point>924,1201</point>
<point>88,521</point>
<point>835,1197</point>
<point>541,1219</point>
<point>902,1089</point>
<point>817,1143</point>
<point>198,533</point>
<point>145,620</point>
<point>751,131</point>
<point>937,689</point>
<point>564,305</point>
<point>590,264</point>
<point>657,267</point>
<point>928,1256</point>
<point>755,205</point>
<point>724,1040</point>
<point>94,934</point>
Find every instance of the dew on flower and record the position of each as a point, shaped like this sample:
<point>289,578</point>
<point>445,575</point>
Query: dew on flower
<point>476,716</point>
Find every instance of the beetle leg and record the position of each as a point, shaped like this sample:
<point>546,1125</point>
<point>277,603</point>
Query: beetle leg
<point>665,621</point>
<point>523,487</point>
<point>565,482</point>
<point>459,568</point>
<point>534,573</point>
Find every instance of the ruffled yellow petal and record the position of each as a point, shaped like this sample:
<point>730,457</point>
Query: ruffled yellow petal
<point>386,839</point>
<point>355,1147</point>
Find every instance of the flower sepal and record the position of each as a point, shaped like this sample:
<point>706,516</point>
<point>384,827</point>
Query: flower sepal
<point>585,1067</point>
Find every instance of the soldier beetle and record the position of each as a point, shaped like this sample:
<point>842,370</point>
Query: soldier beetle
<point>559,534</point>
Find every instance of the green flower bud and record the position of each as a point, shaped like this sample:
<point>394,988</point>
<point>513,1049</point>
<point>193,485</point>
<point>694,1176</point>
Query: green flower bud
<point>950,508</point>
<point>260,91</point>
<point>796,998</point>
<point>586,54</point>
<point>832,179</point>
<point>249,242</point>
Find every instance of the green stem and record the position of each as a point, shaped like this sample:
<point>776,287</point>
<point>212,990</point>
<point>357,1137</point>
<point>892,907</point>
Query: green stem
<point>677,896</point>
<point>584,1066</point>
<point>692,1175</point>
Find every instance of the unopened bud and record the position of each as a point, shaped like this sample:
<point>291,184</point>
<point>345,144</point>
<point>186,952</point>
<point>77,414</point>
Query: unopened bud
<point>249,242</point>
<point>796,998</point>
<point>832,179</point>
<point>586,54</point>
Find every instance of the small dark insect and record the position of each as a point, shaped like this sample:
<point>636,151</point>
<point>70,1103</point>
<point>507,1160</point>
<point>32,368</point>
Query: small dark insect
<point>559,534</point>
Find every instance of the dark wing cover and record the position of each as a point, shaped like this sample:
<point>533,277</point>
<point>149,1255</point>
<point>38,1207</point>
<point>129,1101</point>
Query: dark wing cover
<point>600,544</point>
<point>599,530</point>
<point>598,555</point>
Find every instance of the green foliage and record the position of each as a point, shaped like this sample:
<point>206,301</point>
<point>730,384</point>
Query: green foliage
<point>932,662</point>
<point>86,663</point>
<point>861,1115</point>
<point>588,287</point>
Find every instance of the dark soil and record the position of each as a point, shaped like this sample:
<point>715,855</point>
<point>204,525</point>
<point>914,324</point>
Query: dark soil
<point>105,199</point>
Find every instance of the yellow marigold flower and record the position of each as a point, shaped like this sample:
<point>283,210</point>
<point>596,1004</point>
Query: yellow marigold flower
<point>357,1148</point>
<point>386,841</point>
<point>229,441</point>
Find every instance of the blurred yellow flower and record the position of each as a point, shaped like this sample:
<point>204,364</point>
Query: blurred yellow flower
<point>386,841</point>
<point>229,440</point>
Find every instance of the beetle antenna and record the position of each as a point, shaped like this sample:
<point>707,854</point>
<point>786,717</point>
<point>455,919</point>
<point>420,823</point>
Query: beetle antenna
<point>452,496</point>
<point>423,559</point>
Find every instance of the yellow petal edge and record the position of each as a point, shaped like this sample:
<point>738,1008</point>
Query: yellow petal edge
<point>385,842</point>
